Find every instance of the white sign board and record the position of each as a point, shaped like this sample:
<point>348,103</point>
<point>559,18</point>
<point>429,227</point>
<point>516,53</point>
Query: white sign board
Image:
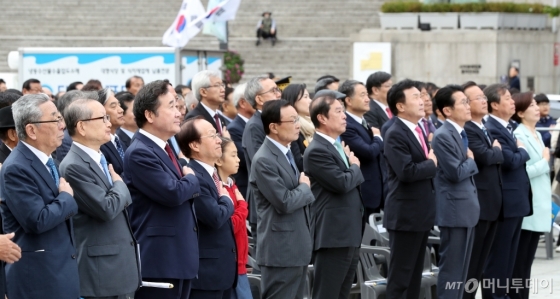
<point>369,58</point>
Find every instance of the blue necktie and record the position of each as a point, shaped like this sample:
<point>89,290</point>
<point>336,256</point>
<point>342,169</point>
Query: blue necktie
<point>103,163</point>
<point>486,133</point>
<point>291,160</point>
<point>510,130</point>
<point>465,140</point>
<point>54,172</point>
<point>119,148</point>
<point>340,151</point>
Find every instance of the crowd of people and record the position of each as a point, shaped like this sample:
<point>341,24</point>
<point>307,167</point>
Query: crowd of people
<point>104,193</point>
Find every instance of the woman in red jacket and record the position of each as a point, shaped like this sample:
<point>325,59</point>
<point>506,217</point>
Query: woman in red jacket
<point>227,166</point>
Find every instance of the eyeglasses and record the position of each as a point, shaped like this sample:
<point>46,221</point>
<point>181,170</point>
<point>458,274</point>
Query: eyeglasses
<point>481,98</point>
<point>221,85</point>
<point>465,102</point>
<point>293,121</point>
<point>273,89</point>
<point>213,136</point>
<point>59,120</point>
<point>424,94</point>
<point>105,118</point>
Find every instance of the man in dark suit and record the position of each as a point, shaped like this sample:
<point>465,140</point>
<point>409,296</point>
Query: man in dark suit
<point>114,149</point>
<point>210,91</point>
<point>516,190</point>
<point>217,273</point>
<point>235,129</point>
<point>365,142</point>
<point>336,223</point>
<point>457,208</point>
<point>61,105</point>
<point>8,133</point>
<point>410,206</point>
<point>37,205</point>
<point>161,214</point>
<point>377,86</point>
<point>436,117</point>
<point>488,157</point>
<point>107,260</point>
<point>282,196</point>
<point>129,127</point>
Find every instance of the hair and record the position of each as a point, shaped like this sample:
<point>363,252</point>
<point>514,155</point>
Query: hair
<point>252,89</point>
<point>12,90</point>
<point>8,98</point>
<point>4,131</point>
<point>202,80</point>
<point>27,84</point>
<point>67,99</point>
<point>376,80</point>
<point>541,98</point>
<point>73,86</point>
<point>179,88</point>
<point>76,112</point>
<point>190,99</point>
<point>431,88</point>
<point>271,113</point>
<point>396,94</point>
<point>482,86</point>
<point>124,98</point>
<point>323,83</point>
<point>293,93</point>
<point>2,81</point>
<point>468,85</point>
<point>335,79</point>
<point>225,142</point>
<point>104,95</point>
<point>522,101</point>
<point>270,75</point>
<point>26,110</point>
<point>229,91</point>
<point>419,85</point>
<point>348,88</point>
<point>513,91</point>
<point>188,134</point>
<point>321,106</point>
<point>92,85</point>
<point>238,94</point>
<point>493,93</point>
<point>128,82</point>
<point>444,97</point>
<point>147,99</point>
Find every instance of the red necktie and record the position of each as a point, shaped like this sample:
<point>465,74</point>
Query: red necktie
<point>389,112</point>
<point>218,123</point>
<point>426,127</point>
<point>216,181</point>
<point>422,142</point>
<point>172,157</point>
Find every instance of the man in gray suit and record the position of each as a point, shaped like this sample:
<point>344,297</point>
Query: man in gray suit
<point>107,260</point>
<point>457,207</point>
<point>282,195</point>
<point>337,219</point>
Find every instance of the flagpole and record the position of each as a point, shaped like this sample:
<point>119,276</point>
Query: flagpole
<point>178,66</point>
<point>224,45</point>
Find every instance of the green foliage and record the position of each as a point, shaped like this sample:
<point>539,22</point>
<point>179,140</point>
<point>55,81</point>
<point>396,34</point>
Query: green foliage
<point>233,67</point>
<point>404,6</point>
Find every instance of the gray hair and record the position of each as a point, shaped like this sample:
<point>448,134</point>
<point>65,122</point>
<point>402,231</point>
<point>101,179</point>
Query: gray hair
<point>76,112</point>
<point>201,80</point>
<point>67,99</point>
<point>26,110</point>
<point>190,99</point>
<point>238,94</point>
<point>104,95</point>
<point>253,88</point>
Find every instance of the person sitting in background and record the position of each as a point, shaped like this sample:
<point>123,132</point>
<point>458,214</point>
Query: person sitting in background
<point>127,130</point>
<point>298,96</point>
<point>190,102</point>
<point>514,79</point>
<point>327,82</point>
<point>8,98</point>
<point>228,110</point>
<point>93,85</point>
<point>134,84</point>
<point>182,90</point>
<point>75,85</point>
<point>545,121</point>
<point>113,149</point>
<point>3,86</point>
<point>8,133</point>
<point>31,86</point>
<point>181,106</point>
<point>266,28</point>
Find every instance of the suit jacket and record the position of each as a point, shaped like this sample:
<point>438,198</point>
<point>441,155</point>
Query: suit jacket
<point>235,129</point>
<point>4,152</point>
<point>337,209</point>
<point>41,219</point>
<point>112,155</point>
<point>375,117</point>
<point>283,227</point>
<point>124,138</point>
<point>386,127</point>
<point>516,188</point>
<point>107,260</point>
<point>410,204</point>
<point>199,110</point>
<point>435,121</point>
<point>63,149</point>
<point>216,242</point>
<point>488,180</point>
<point>369,151</point>
<point>161,214</point>
<point>456,196</point>
<point>253,137</point>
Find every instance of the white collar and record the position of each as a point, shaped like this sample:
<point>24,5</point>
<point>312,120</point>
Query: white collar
<point>210,169</point>
<point>95,156</point>
<point>356,118</point>
<point>11,150</point>
<point>409,124</point>
<point>42,156</point>
<point>155,139</point>
<point>127,132</point>
<point>210,111</point>
<point>480,125</point>
<point>501,121</point>
<point>383,106</point>
<point>281,147</point>
<point>328,138</point>
<point>243,117</point>
<point>457,127</point>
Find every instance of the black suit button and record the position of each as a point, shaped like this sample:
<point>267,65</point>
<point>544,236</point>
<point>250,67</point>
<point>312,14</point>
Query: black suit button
<point>233,250</point>
<point>73,256</point>
<point>195,229</point>
<point>132,243</point>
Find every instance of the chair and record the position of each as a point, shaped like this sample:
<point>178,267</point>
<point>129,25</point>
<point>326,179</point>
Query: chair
<point>372,284</point>
<point>255,284</point>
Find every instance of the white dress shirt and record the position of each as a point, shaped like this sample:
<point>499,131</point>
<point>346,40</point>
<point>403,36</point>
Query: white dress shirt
<point>456,126</point>
<point>127,132</point>
<point>383,106</point>
<point>161,143</point>
<point>95,156</point>
<point>42,156</point>
<point>360,121</point>
<point>412,128</point>
<point>243,118</point>
<point>328,138</point>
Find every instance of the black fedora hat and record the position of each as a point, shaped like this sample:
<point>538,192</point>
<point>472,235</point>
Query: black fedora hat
<point>6,118</point>
<point>267,12</point>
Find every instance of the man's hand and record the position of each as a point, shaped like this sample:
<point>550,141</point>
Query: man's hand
<point>303,179</point>
<point>470,153</point>
<point>496,144</point>
<point>9,251</point>
<point>353,159</point>
<point>63,186</point>
<point>187,170</point>
<point>224,192</point>
<point>375,131</point>
<point>345,148</point>
<point>430,137</point>
<point>432,156</point>
<point>114,176</point>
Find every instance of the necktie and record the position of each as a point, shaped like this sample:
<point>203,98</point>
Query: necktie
<point>218,123</point>
<point>426,126</point>
<point>465,140</point>
<point>510,130</point>
<point>422,141</point>
<point>119,147</point>
<point>364,124</point>
<point>54,172</point>
<point>172,157</point>
<point>389,112</point>
<point>486,133</point>
<point>341,152</point>
<point>103,163</point>
<point>291,160</point>
<point>216,180</point>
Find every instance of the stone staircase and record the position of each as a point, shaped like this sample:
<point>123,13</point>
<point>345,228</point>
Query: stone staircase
<point>313,35</point>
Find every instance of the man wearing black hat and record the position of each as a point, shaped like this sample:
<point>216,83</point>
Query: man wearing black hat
<point>266,28</point>
<point>8,133</point>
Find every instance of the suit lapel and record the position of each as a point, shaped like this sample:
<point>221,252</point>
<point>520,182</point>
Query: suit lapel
<point>282,160</point>
<point>162,155</point>
<point>195,165</point>
<point>331,148</point>
<point>5,150</point>
<point>114,152</point>
<point>500,127</point>
<point>411,136</point>
<point>92,165</point>
<point>378,110</point>
<point>207,115</point>
<point>531,138</point>
<point>39,167</point>
<point>456,136</point>
<point>362,128</point>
